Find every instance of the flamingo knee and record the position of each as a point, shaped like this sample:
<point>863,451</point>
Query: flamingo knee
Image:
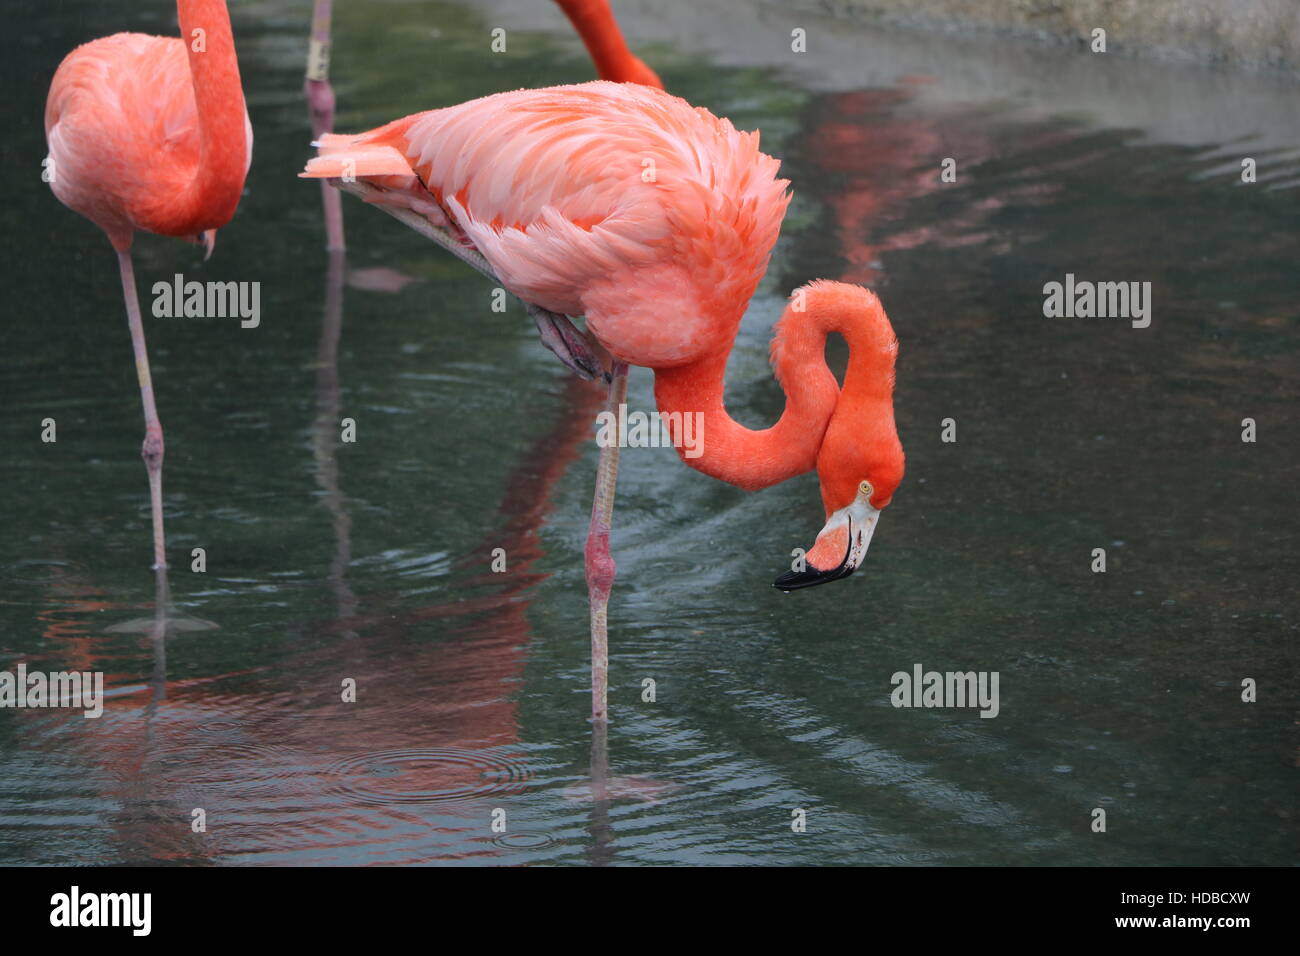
<point>153,448</point>
<point>600,565</point>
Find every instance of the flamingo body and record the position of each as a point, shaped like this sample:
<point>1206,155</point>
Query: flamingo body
<point>151,133</point>
<point>128,150</point>
<point>655,220</point>
<point>615,201</point>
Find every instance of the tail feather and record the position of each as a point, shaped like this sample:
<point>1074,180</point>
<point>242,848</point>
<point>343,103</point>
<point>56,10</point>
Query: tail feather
<point>342,158</point>
<point>372,153</point>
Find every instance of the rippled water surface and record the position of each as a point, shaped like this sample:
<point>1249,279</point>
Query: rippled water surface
<point>370,562</point>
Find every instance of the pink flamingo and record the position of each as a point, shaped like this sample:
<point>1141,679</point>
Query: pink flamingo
<point>151,134</point>
<point>593,20</point>
<point>655,221</point>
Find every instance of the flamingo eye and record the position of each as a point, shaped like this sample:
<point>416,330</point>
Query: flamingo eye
<point>866,489</point>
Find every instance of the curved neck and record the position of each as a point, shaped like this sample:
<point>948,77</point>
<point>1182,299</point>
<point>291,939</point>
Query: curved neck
<point>862,431</point>
<point>212,195</point>
<point>815,407</point>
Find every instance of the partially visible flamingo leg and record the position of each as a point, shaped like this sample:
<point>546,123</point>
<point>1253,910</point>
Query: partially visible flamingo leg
<point>320,105</point>
<point>599,562</point>
<point>152,450</point>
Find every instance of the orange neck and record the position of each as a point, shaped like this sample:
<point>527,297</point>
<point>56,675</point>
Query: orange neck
<point>862,428</point>
<point>595,23</point>
<point>818,416</point>
<point>212,195</point>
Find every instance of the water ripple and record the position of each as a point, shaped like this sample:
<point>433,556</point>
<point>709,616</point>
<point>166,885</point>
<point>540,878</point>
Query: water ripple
<point>404,777</point>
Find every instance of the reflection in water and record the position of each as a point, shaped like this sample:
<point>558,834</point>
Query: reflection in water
<point>428,776</point>
<point>467,736</point>
<point>329,405</point>
<point>601,852</point>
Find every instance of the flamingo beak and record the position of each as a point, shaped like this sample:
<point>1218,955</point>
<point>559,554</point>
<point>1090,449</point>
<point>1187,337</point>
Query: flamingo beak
<point>840,549</point>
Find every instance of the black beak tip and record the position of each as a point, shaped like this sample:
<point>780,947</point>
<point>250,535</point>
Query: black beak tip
<point>794,580</point>
<point>811,577</point>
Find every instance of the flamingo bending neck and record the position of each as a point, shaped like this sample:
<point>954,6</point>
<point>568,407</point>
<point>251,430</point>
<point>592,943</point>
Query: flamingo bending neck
<point>847,434</point>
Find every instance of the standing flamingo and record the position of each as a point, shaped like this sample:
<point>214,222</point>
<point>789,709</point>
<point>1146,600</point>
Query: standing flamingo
<point>150,133</point>
<point>548,190</point>
<point>593,20</point>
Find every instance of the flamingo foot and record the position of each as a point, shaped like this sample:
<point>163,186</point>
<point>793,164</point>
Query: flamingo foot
<point>380,279</point>
<point>569,343</point>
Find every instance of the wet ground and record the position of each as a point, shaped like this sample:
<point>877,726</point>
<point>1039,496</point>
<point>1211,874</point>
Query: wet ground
<point>371,561</point>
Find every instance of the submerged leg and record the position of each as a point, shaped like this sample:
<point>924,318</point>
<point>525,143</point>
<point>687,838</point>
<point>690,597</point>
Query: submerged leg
<point>152,451</point>
<point>600,565</point>
<point>320,106</point>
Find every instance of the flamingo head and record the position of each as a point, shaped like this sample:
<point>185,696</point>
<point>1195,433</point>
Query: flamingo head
<point>842,542</point>
<point>860,465</point>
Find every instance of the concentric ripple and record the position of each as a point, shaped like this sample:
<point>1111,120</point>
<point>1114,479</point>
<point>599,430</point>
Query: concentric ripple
<point>524,840</point>
<point>404,777</point>
<point>250,769</point>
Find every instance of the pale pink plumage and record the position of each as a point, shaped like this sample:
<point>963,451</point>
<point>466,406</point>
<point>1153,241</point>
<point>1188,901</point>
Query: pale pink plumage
<point>122,125</point>
<point>151,133</point>
<point>655,220</point>
<point>614,201</point>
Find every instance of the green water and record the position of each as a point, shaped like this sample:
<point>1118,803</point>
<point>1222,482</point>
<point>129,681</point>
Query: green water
<point>370,561</point>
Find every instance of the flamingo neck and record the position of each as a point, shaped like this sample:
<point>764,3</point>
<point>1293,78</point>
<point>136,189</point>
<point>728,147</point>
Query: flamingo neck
<point>212,195</point>
<point>604,41</point>
<point>815,407</point>
<point>861,439</point>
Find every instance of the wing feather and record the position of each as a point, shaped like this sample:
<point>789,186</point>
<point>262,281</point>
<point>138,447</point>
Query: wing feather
<point>569,189</point>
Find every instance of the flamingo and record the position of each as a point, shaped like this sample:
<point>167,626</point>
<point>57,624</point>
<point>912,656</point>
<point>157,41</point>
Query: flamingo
<point>547,192</point>
<point>151,134</point>
<point>593,19</point>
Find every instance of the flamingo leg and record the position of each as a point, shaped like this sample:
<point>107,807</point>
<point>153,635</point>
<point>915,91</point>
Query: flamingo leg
<point>152,450</point>
<point>600,566</point>
<point>320,106</point>
<point>599,563</point>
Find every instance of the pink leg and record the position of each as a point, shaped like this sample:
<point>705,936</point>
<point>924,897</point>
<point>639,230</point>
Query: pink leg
<point>320,105</point>
<point>152,451</point>
<point>600,565</point>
